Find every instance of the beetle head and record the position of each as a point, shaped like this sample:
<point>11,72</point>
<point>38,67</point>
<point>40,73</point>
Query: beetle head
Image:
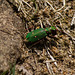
<point>51,30</point>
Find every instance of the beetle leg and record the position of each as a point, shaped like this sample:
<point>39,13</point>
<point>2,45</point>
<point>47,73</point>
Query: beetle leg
<point>35,43</point>
<point>26,40</point>
<point>48,38</point>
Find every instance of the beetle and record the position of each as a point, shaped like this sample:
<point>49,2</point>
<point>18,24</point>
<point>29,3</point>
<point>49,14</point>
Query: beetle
<point>40,33</point>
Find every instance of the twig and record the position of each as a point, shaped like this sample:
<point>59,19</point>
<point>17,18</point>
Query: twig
<point>48,22</point>
<point>54,8</point>
<point>57,11</point>
<point>45,4</point>
<point>67,8</point>
<point>73,39</point>
<point>64,2</point>
<point>49,68</point>
<point>27,27</point>
<point>50,56</point>
<point>55,18</point>
<point>73,20</point>
<point>41,24</point>
<point>51,6</point>
<point>24,70</point>
<point>60,14</point>
<point>21,7</point>
<point>50,61</point>
<point>60,8</point>
<point>70,50</point>
<point>26,3</point>
<point>35,11</point>
<point>20,1</point>
<point>48,38</point>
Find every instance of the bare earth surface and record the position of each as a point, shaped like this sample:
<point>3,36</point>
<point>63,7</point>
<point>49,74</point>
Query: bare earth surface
<point>51,55</point>
<point>10,38</point>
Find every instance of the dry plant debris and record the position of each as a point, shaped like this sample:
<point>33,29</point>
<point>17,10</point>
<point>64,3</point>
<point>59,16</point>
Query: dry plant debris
<point>54,56</point>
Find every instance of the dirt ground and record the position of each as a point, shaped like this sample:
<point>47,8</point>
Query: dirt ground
<point>52,55</point>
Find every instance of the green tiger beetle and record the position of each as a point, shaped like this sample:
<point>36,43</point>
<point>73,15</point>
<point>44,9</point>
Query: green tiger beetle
<point>40,33</point>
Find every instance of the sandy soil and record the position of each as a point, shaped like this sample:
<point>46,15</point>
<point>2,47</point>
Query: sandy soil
<point>50,55</point>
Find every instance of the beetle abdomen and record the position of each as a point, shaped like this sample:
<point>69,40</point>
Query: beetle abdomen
<point>36,35</point>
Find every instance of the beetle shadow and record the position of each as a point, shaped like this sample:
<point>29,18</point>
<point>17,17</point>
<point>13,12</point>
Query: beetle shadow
<point>39,45</point>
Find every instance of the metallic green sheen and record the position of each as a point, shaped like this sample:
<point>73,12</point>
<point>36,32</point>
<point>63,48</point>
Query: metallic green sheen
<point>48,29</point>
<point>36,35</point>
